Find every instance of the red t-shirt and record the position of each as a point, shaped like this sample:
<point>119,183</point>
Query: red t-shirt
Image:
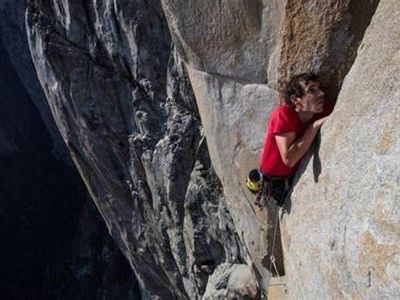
<point>283,119</point>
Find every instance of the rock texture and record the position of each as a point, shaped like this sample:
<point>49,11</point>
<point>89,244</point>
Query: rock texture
<point>322,37</point>
<point>228,119</point>
<point>304,36</point>
<point>42,195</point>
<point>144,141</point>
<point>123,104</point>
<point>234,39</point>
<point>342,234</point>
<point>232,282</point>
<point>14,39</point>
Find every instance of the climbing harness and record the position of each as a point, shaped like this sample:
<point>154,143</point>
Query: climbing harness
<point>268,188</point>
<point>274,188</point>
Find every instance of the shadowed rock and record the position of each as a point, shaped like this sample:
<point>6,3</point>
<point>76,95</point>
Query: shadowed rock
<point>123,104</point>
<point>54,244</point>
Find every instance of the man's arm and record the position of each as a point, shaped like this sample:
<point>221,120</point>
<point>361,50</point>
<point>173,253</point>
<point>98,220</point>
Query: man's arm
<point>293,150</point>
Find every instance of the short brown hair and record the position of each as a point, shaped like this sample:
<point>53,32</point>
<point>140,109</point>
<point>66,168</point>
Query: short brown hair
<point>295,86</point>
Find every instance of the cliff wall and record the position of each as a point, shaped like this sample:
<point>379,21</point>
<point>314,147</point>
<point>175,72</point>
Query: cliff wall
<point>54,243</point>
<point>124,106</point>
<point>342,233</point>
<point>163,106</point>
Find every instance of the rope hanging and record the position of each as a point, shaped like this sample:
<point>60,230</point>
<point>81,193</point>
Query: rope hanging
<point>272,257</point>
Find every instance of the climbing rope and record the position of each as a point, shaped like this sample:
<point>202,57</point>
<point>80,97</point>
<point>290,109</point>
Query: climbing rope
<point>272,257</point>
<point>272,261</point>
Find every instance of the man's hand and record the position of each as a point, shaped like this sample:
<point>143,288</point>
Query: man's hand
<point>293,150</point>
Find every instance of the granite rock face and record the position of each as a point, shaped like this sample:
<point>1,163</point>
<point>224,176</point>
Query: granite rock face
<point>303,36</point>
<point>124,106</point>
<point>119,85</point>
<point>234,39</point>
<point>322,37</point>
<point>342,234</point>
<point>44,206</point>
<point>228,119</point>
<point>232,282</point>
<point>14,39</point>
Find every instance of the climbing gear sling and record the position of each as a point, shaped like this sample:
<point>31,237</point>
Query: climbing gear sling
<point>274,188</point>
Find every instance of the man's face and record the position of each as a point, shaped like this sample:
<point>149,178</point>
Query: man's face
<point>313,99</point>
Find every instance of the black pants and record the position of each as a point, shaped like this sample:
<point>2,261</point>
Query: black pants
<point>275,189</point>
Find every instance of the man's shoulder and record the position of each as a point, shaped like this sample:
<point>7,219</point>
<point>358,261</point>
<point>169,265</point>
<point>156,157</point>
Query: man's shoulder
<point>284,119</point>
<point>283,109</point>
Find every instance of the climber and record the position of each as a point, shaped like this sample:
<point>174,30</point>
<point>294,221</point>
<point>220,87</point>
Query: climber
<point>292,127</point>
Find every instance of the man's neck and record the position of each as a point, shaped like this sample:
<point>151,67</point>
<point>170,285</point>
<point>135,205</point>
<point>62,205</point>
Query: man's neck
<point>305,116</point>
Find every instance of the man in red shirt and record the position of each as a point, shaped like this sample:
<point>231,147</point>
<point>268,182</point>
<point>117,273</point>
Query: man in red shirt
<point>292,128</point>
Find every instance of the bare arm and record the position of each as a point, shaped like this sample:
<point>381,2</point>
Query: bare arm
<point>293,150</point>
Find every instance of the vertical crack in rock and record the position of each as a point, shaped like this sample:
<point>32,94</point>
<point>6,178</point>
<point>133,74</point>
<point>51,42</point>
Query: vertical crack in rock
<point>323,37</point>
<point>123,104</point>
<point>295,37</point>
<point>350,217</point>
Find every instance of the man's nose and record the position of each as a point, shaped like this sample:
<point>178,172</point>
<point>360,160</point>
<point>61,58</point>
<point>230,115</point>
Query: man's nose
<point>320,93</point>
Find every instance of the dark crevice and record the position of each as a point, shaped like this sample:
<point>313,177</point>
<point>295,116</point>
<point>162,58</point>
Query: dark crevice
<point>274,258</point>
<point>344,52</point>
